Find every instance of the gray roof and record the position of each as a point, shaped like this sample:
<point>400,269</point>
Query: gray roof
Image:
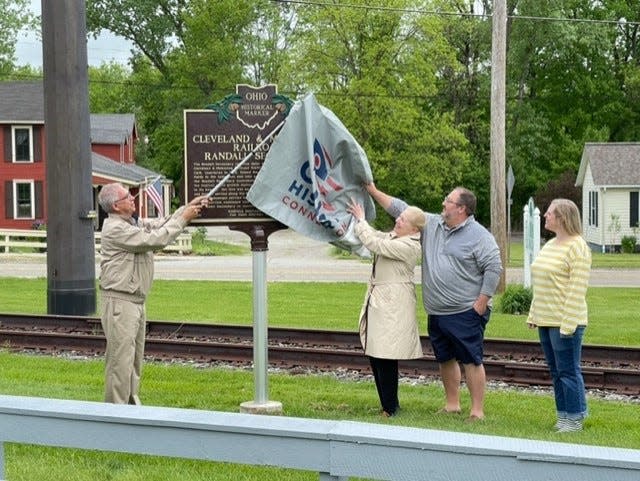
<point>23,102</point>
<point>120,172</point>
<point>112,128</point>
<point>615,164</point>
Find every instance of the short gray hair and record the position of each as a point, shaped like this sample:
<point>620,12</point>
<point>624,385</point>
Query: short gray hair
<point>109,195</point>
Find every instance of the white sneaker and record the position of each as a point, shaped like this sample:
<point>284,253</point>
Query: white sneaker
<point>559,423</point>
<point>568,425</point>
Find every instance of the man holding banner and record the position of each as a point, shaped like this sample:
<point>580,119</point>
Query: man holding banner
<point>126,276</point>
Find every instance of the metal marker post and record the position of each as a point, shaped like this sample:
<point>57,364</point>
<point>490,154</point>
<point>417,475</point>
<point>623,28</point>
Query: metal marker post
<point>260,403</point>
<point>258,235</point>
<point>244,119</point>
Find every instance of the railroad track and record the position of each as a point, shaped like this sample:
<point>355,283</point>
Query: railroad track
<point>514,362</point>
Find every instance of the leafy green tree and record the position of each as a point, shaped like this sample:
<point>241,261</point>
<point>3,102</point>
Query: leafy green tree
<point>563,89</point>
<point>188,54</point>
<point>271,34</point>
<point>377,69</point>
<point>108,92</point>
<point>14,18</point>
<point>154,27</point>
<point>464,88</point>
<point>411,79</point>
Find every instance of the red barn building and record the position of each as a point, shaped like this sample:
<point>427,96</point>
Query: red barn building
<point>23,159</point>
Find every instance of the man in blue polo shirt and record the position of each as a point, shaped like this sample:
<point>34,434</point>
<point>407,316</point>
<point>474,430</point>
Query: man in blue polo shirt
<point>461,270</point>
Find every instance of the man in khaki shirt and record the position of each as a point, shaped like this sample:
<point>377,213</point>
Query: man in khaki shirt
<point>127,247</point>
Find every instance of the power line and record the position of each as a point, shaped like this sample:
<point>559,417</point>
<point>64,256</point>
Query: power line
<point>619,22</point>
<point>383,9</point>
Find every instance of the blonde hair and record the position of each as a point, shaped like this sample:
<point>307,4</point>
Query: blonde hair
<point>415,216</point>
<point>568,216</point>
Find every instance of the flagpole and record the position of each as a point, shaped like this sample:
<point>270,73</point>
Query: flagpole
<point>154,180</point>
<point>243,161</point>
<point>146,183</point>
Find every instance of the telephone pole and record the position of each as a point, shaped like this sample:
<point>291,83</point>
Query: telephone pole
<point>70,238</point>
<point>498,100</point>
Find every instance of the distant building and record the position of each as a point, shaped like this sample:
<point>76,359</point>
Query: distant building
<point>610,178</point>
<point>23,159</point>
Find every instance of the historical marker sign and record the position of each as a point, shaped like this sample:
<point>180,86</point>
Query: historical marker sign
<point>221,136</point>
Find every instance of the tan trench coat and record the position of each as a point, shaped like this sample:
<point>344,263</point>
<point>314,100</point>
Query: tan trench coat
<point>388,324</point>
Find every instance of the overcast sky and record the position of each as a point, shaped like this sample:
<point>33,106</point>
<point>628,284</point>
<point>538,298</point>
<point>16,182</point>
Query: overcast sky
<point>105,48</point>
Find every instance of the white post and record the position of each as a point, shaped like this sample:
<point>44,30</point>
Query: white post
<point>261,403</point>
<point>531,238</point>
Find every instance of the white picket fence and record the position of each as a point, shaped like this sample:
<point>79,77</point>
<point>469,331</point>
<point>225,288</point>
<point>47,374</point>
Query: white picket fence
<point>19,240</point>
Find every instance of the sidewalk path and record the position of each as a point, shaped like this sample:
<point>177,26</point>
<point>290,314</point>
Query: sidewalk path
<point>291,257</point>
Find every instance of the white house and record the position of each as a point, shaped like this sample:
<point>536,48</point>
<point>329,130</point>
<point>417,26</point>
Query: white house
<point>610,178</point>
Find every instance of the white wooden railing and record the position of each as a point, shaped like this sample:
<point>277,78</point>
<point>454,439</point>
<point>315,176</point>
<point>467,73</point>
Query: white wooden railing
<point>336,450</point>
<point>19,240</point>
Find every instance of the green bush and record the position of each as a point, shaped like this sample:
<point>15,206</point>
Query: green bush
<point>516,299</point>
<point>199,236</point>
<point>201,246</point>
<point>628,244</point>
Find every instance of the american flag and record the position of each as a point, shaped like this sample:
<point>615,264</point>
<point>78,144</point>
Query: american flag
<point>154,192</point>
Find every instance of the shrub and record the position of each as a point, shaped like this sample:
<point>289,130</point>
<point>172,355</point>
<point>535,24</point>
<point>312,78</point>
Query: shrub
<point>516,299</point>
<point>628,244</point>
<point>199,236</point>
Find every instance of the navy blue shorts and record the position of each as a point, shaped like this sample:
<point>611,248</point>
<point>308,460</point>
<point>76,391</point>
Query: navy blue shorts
<point>458,336</point>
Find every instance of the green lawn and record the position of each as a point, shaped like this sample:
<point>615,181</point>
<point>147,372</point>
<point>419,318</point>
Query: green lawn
<point>613,317</point>
<point>515,258</point>
<point>508,413</point>
<point>598,259</point>
<point>613,320</point>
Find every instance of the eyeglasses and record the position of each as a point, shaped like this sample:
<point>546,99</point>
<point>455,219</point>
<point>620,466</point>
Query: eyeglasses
<point>449,201</point>
<point>125,197</point>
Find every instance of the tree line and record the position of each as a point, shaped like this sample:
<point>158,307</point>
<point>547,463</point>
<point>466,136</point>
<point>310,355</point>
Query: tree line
<point>411,80</point>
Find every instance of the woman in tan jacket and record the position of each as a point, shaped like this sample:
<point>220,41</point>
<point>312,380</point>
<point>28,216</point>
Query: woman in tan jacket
<point>388,324</point>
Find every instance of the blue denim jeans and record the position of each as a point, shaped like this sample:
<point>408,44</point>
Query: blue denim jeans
<point>563,358</point>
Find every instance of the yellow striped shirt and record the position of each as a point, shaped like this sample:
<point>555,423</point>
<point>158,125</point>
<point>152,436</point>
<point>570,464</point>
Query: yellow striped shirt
<point>560,276</point>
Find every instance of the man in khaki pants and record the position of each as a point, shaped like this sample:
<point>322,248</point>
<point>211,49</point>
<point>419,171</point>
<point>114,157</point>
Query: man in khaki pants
<point>127,248</point>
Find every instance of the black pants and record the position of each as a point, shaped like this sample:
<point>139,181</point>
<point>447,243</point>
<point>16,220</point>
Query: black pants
<point>385,372</point>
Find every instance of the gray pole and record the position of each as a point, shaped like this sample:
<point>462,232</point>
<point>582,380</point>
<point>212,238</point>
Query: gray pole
<point>259,247</point>
<point>70,236</point>
<point>498,99</point>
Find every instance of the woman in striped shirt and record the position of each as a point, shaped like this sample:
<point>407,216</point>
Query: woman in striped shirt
<point>560,276</point>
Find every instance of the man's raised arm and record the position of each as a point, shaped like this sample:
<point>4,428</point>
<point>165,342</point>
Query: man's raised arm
<point>380,197</point>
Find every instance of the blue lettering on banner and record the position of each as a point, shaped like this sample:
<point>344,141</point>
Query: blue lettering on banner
<point>303,193</point>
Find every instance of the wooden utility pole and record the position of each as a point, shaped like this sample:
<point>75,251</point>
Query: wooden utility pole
<point>70,207</point>
<point>498,100</point>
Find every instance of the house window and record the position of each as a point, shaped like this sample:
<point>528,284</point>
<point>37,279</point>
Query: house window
<point>593,208</point>
<point>23,207</point>
<point>22,144</point>
<point>634,204</point>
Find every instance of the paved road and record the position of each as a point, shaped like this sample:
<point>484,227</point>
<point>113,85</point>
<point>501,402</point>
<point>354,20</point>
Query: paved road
<point>291,257</point>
